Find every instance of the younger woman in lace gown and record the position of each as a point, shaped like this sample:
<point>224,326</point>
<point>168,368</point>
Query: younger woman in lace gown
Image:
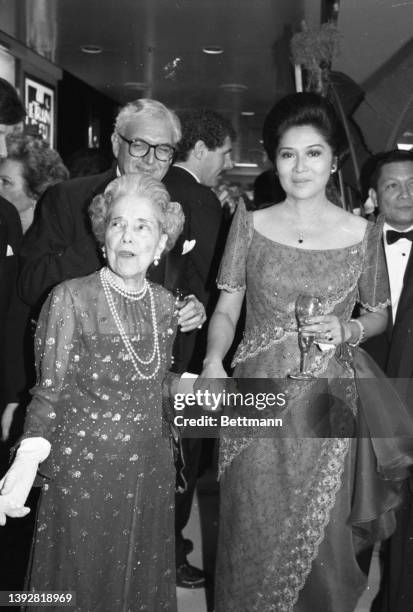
<point>289,504</point>
<point>103,347</point>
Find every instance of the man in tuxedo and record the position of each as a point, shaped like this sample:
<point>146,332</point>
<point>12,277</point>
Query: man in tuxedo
<point>60,244</point>
<point>12,114</point>
<point>202,154</point>
<point>392,191</point>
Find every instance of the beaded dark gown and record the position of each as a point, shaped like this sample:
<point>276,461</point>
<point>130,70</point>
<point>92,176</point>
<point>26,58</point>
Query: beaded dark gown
<point>290,505</point>
<point>105,522</point>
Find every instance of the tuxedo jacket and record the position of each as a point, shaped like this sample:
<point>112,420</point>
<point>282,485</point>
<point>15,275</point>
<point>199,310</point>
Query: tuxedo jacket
<point>393,350</point>
<point>204,224</point>
<point>60,244</point>
<point>196,271</point>
<point>10,239</point>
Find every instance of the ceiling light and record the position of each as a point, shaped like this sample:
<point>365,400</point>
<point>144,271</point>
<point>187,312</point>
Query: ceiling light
<point>233,87</point>
<point>91,49</point>
<point>248,113</point>
<point>245,165</point>
<point>135,85</point>
<point>212,50</point>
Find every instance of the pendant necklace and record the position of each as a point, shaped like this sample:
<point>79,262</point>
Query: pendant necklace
<point>108,284</point>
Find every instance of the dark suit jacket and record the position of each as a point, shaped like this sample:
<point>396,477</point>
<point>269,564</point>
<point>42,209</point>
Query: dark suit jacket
<point>393,350</point>
<point>196,271</point>
<point>10,239</point>
<point>60,245</point>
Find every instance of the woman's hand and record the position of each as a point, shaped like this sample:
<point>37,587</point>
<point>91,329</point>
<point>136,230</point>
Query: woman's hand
<point>209,381</point>
<point>192,314</point>
<point>328,329</point>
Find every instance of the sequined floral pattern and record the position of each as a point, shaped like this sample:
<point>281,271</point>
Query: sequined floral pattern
<point>105,525</point>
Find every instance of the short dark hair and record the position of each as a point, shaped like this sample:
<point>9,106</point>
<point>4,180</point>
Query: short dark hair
<point>41,165</point>
<point>388,157</point>
<point>305,108</point>
<point>202,124</point>
<point>11,108</point>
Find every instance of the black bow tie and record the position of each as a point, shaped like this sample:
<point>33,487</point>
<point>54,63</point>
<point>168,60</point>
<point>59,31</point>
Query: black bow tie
<point>393,236</point>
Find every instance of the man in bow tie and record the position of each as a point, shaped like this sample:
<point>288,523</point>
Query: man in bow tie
<point>392,191</point>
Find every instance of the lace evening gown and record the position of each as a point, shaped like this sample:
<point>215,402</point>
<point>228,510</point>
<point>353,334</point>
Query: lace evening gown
<point>290,505</point>
<point>105,522</point>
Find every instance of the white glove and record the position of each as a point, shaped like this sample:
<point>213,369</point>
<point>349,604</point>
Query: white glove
<point>16,484</point>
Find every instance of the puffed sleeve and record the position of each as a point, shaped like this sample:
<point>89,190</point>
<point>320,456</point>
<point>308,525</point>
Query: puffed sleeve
<point>232,274</point>
<point>373,285</point>
<point>53,346</point>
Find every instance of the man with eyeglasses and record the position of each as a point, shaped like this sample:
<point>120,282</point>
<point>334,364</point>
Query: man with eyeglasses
<point>60,244</point>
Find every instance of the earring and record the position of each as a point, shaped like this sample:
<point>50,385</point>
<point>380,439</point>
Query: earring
<point>333,169</point>
<point>156,261</point>
<point>104,252</point>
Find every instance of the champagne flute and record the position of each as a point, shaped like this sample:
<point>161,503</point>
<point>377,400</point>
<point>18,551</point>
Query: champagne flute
<point>305,306</point>
<point>181,299</point>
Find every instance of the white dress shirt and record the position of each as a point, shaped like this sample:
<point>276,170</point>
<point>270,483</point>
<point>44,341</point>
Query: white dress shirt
<point>397,256</point>
<point>178,165</point>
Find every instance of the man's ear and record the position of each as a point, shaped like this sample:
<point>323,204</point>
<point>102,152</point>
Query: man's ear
<point>115,144</point>
<point>200,149</point>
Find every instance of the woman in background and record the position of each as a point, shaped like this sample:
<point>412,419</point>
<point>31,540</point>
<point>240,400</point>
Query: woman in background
<point>30,167</point>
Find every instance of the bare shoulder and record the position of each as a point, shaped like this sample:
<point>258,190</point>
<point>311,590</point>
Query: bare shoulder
<point>267,215</point>
<point>351,223</point>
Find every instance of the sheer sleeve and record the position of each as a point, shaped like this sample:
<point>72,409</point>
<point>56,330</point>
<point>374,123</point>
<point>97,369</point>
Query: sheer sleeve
<point>232,271</point>
<point>373,285</point>
<point>53,346</point>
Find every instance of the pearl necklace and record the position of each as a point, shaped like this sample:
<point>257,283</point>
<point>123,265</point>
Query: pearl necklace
<point>130,295</point>
<point>127,343</point>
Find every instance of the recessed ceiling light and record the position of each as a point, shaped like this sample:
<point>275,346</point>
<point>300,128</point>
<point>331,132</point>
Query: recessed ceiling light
<point>135,85</point>
<point>233,87</point>
<point>248,113</point>
<point>91,49</point>
<point>213,50</point>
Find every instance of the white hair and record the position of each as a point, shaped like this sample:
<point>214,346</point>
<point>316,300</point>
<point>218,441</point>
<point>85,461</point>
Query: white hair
<point>152,108</point>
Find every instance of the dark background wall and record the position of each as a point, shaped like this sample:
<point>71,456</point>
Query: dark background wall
<point>81,106</point>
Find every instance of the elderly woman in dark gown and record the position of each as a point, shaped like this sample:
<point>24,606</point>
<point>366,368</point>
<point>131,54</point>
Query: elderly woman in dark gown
<point>103,346</point>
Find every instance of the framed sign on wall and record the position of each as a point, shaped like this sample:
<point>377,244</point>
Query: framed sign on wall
<point>40,107</point>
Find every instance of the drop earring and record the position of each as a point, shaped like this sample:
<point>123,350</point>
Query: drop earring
<point>103,252</point>
<point>333,169</point>
<point>156,261</point>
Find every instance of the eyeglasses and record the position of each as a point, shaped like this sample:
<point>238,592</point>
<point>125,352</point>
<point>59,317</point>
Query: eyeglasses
<point>140,148</point>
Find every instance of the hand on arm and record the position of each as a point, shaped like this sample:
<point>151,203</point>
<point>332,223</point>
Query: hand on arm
<point>192,315</point>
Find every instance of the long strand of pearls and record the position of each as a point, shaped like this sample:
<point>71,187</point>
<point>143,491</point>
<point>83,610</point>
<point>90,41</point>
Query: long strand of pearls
<point>131,351</point>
